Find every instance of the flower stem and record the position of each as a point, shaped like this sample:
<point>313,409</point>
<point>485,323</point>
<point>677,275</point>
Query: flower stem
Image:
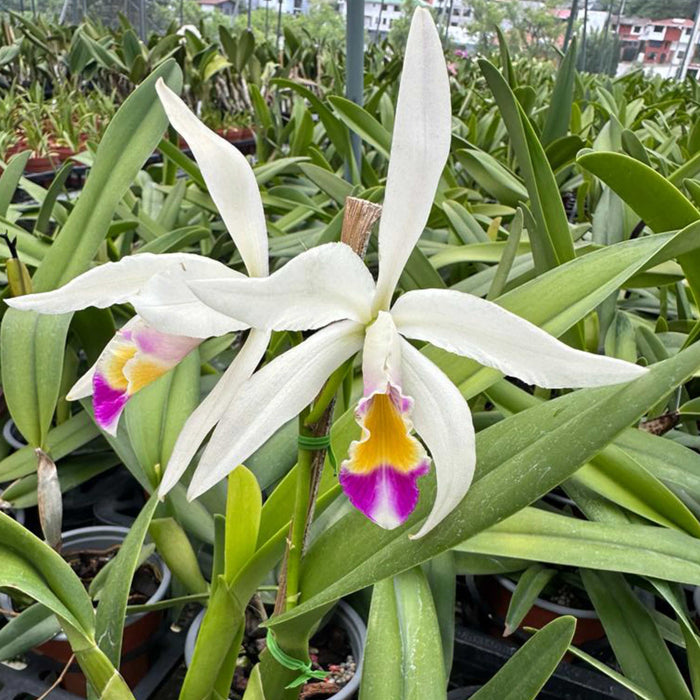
<point>298,526</point>
<point>360,217</point>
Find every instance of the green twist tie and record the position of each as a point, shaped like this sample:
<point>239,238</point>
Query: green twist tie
<point>322,442</point>
<point>307,673</point>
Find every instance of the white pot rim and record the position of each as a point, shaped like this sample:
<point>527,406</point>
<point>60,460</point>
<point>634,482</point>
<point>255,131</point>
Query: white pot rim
<point>552,607</point>
<point>118,533</point>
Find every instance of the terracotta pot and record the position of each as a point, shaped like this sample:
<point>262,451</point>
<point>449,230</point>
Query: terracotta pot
<point>139,629</point>
<point>498,594</point>
<point>235,134</point>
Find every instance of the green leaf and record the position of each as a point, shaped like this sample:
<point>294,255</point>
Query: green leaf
<point>381,674</point>
<point>60,441</point>
<point>254,689</point>
<point>31,359</point>
<point>403,642</point>
<point>493,177</point>
<point>111,610</point>
<point>243,508</point>
<point>561,297</point>
<point>530,667</point>
<point>661,205</point>
<point>635,639</point>
<point>423,678</point>
<point>559,112</point>
<point>538,535</point>
<point>10,179</point>
<point>175,548</point>
<point>528,589</point>
<point>552,243</point>
<point>49,578</point>
<point>610,673</point>
<point>363,124</point>
<point>33,626</point>
<point>334,186</point>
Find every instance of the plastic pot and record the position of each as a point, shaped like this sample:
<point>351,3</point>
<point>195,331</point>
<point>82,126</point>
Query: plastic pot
<point>139,630</point>
<point>498,595</point>
<point>12,436</point>
<point>343,614</point>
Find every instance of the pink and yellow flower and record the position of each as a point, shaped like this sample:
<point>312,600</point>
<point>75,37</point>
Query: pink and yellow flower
<point>137,356</point>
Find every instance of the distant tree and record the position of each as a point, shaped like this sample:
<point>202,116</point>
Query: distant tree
<point>661,9</point>
<point>602,53</point>
<point>533,29</point>
<point>398,34</point>
<point>323,22</point>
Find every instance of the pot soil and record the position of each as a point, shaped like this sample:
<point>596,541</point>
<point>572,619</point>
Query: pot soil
<point>88,550</point>
<point>496,592</point>
<point>336,647</point>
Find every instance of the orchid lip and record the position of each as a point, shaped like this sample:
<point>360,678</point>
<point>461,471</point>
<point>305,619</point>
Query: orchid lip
<point>379,476</point>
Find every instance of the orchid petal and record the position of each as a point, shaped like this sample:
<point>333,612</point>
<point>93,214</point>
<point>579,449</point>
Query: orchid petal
<point>419,150</point>
<point>271,397</point>
<point>209,412</point>
<point>381,355</point>
<point>169,305</point>
<point>135,357</point>
<point>111,283</point>
<point>230,180</point>
<point>470,326</point>
<point>381,472</point>
<point>442,418</point>
<point>324,284</point>
<point>83,387</point>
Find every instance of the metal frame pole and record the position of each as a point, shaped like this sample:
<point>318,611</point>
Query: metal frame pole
<point>354,67</point>
<point>683,70</point>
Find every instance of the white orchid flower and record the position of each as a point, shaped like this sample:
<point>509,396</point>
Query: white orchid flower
<point>403,390</point>
<point>162,333</point>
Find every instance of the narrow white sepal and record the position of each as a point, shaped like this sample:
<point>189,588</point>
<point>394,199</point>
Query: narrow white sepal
<point>229,178</point>
<point>104,285</point>
<point>169,305</point>
<point>420,146</point>
<point>476,328</point>
<point>442,418</point>
<point>324,284</point>
<point>271,397</point>
<point>209,412</point>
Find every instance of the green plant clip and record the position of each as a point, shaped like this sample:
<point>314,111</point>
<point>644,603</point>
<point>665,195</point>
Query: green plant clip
<point>321,442</point>
<point>307,673</point>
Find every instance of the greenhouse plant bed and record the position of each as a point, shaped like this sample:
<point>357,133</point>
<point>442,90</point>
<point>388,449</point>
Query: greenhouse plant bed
<point>479,656</point>
<point>41,673</point>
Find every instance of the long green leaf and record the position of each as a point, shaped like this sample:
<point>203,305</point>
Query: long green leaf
<point>528,670</point>
<point>111,611</point>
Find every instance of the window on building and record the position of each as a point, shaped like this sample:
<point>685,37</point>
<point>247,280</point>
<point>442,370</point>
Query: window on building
<point>636,29</point>
<point>384,21</point>
<point>680,54</point>
<point>662,58</point>
<point>651,56</point>
<point>658,27</point>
